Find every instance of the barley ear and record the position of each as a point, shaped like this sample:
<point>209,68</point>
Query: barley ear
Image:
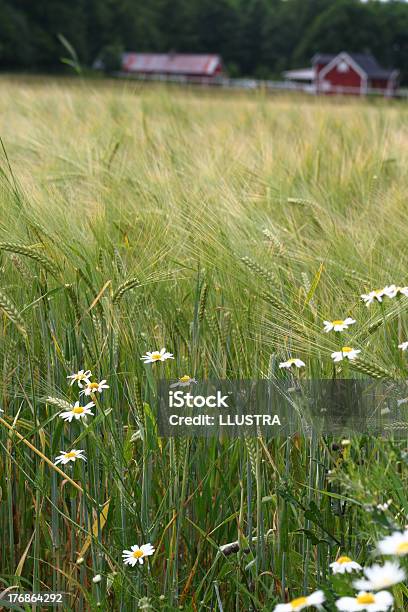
<point>259,271</point>
<point>371,369</point>
<point>32,253</point>
<point>251,450</point>
<point>9,309</point>
<point>126,286</point>
<point>61,404</point>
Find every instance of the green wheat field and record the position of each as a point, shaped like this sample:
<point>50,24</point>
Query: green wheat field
<point>226,228</point>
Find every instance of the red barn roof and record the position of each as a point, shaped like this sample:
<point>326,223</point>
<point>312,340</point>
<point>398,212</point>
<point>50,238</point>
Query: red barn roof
<point>365,61</point>
<point>172,63</point>
<point>353,73</point>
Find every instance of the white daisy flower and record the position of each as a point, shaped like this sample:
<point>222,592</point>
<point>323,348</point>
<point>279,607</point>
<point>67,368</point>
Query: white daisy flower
<point>66,457</point>
<point>77,412</point>
<point>292,362</point>
<point>315,599</point>
<point>137,554</point>
<point>383,507</point>
<point>390,291</point>
<point>184,381</point>
<point>374,602</point>
<point>338,325</point>
<point>395,544</point>
<point>345,565</point>
<point>152,357</point>
<point>94,387</point>
<point>403,346</point>
<point>369,298</point>
<point>380,577</point>
<point>80,377</point>
<point>346,353</point>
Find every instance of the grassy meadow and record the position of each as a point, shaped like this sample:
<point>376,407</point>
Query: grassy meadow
<point>225,227</point>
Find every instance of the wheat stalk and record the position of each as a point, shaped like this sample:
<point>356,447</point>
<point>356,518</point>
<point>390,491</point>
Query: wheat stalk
<point>139,404</point>
<point>371,369</point>
<point>259,270</point>
<point>276,303</point>
<point>182,445</point>
<point>120,266</point>
<point>126,286</point>
<point>275,241</point>
<point>203,302</point>
<point>251,449</point>
<point>301,201</point>
<point>59,403</point>
<point>74,301</point>
<point>31,253</point>
<point>12,313</point>
<point>21,267</point>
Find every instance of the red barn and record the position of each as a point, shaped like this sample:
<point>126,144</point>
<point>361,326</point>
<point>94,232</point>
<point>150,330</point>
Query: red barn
<point>357,73</point>
<point>172,64</point>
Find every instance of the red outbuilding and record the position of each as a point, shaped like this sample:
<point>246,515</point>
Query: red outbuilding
<point>172,64</point>
<point>354,73</point>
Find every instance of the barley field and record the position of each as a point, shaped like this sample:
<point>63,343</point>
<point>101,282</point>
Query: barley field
<point>225,228</point>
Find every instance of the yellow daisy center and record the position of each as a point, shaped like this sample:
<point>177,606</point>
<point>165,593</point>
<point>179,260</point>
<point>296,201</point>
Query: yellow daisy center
<point>70,455</point>
<point>137,554</point>
<point>300,601</point>
<point>378,291</point>
<point>93,386</point>
<point>365,598</point>
<point>338,322</point>
<point>184,378</point>
<point>342,560</point>
<point>78,410</point>
<point>346,349</point>
<point>402,548</point>
<point>156,356</point>
<point>79,376</point>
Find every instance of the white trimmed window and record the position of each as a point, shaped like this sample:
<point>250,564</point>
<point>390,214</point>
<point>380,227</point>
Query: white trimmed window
<point>343,67</point>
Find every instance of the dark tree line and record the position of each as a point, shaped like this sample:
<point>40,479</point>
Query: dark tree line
<point>254,37</point>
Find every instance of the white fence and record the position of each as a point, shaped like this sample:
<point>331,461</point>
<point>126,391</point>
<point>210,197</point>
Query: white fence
<point>253,84</point>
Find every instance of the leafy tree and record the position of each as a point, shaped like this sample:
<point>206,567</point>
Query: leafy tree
<point>345,26</point>
<point>110,57</point>
<point>218,26</point>
<point>254,13</point>
<point>48,18</point>
<point>178,26</point>
<point>254,37</point>
<point>16,50</point>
